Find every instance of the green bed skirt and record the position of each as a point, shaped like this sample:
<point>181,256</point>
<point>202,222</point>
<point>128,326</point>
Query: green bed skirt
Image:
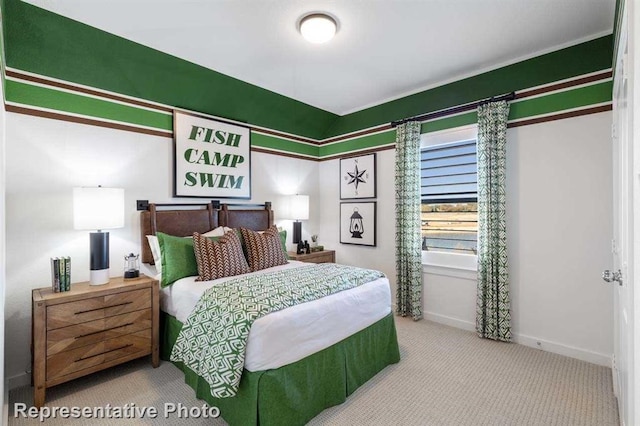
<point>297,392</point>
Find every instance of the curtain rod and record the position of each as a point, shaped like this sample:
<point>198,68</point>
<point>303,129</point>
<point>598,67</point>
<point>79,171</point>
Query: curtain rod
<point>456,109</point>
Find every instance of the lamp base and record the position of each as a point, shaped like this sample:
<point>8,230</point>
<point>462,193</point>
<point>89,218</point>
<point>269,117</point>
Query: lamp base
<point>99,277</point>
<point>99,258</point>
<point>297,232</point>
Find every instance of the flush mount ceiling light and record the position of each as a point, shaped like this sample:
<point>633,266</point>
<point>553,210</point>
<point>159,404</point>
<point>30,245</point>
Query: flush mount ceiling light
<point>318,27</point>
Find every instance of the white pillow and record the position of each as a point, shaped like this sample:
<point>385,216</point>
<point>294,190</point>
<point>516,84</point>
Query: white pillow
<point>155,251</point>
<point>217,232</point>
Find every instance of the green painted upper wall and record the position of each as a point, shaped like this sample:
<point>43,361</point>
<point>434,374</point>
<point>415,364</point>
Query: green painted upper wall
<point>49,44</point>
<point>42,42</point>
<point>584,58</point>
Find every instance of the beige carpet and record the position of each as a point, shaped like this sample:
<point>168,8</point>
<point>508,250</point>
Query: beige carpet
<point>446,377</point>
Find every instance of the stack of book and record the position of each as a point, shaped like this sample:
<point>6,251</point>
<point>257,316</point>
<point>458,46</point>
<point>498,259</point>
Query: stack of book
<point>60,274</point>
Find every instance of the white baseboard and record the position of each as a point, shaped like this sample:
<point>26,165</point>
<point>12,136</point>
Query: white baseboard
<point>562,349</point>
<point>19,380</point>
<point>453,322</point>
<point>533,342</point>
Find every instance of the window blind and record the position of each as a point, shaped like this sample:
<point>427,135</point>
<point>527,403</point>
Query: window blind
<point>449,173</point>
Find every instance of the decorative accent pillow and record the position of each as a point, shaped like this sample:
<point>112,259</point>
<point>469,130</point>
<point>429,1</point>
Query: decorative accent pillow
<point>177,258</point>
<point>264,250</point>
<point>283,240</point>
<point>219,259</point>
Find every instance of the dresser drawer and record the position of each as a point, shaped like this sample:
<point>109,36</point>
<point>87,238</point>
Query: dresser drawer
<point>75,336</point>
<point>68,362</point>
<point>90,309</point>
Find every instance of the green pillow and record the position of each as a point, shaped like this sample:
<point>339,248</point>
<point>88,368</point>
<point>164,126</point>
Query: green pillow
<point>178,258</point>
<point>283,241</point>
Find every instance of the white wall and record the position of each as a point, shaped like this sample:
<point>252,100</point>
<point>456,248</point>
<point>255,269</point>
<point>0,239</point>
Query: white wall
<point>559,224</point>
<point>559,236</point>
<point>47,158</point>
<point>381,257</point>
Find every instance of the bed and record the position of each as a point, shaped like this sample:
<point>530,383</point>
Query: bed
<point>299,360</point>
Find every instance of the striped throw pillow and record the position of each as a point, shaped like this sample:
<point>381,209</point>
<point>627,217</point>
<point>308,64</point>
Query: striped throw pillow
<point>219,259</point>
<point>264,250</point>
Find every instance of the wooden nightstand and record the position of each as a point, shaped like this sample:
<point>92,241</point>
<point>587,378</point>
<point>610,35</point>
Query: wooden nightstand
<point>90,328</point>
<point>324,256</point>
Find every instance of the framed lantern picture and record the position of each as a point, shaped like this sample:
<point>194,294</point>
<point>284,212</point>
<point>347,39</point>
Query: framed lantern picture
<point>358,223</point>
<point>212,158</point>
<point>358,177</point>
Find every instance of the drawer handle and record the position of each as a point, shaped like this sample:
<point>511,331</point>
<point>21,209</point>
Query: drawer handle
<point>102,331</point>
<point>104,307</point>
<point>102,353</point>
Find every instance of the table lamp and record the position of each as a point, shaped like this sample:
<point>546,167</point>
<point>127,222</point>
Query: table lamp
<point>96,209</point>
<point>299,210</point>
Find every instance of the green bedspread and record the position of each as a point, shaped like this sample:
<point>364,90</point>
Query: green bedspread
<point>213,340</point>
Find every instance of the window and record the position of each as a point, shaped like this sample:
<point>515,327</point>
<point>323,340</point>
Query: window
<point>449,197</point>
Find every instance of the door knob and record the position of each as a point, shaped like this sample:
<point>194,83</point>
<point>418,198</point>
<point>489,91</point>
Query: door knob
<point>611,277</point>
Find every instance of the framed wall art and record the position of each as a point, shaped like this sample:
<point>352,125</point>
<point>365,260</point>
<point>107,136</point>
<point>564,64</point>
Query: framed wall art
<point>358,177</point>
<point>358,223</point>
<point>212,159</point>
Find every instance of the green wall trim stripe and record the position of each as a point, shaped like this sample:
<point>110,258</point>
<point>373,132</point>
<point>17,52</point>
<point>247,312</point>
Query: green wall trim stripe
<point>43,97</point>
<point>38,95</point>
<point>359,152</point>
<point>581,98</point>
<point>358,144</point>
<point>63,86</point>
<point>56,83</point>
<point>449,122</point>
<point>470,118</point>
<point>81,119</point>
<point>27,93</point>
<point>284,154</point>
<point>275,143</point>
<point>581,80</point>
<point>575,98</point>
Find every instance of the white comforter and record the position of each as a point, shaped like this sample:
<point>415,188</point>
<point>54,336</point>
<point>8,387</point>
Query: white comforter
<point>291,334</point>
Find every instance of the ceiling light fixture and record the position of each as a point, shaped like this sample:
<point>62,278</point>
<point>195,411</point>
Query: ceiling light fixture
<point>318,27</point>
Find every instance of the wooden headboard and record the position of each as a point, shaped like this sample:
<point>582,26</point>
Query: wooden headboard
<point>183,220</point>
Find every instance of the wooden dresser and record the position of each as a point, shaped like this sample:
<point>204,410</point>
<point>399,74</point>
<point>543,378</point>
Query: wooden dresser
<point>91,328</point>
<point>324,256</point>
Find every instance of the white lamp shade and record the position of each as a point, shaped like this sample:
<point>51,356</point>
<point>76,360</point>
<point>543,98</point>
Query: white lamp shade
<point>318,28</point>
<point>299,207</point>
<point>98,208</point>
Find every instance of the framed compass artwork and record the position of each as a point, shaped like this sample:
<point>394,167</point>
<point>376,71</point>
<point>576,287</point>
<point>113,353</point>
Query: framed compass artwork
<point>358,177</point>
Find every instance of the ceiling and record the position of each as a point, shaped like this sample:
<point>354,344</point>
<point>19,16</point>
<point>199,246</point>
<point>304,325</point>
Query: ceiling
<point>384,49</point>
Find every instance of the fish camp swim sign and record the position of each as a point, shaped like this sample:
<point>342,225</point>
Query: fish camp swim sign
<point>212,158</point>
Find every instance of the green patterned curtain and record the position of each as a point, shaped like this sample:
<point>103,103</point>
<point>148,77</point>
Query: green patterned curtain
<point>408,234</point>
<point>493,319</point>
